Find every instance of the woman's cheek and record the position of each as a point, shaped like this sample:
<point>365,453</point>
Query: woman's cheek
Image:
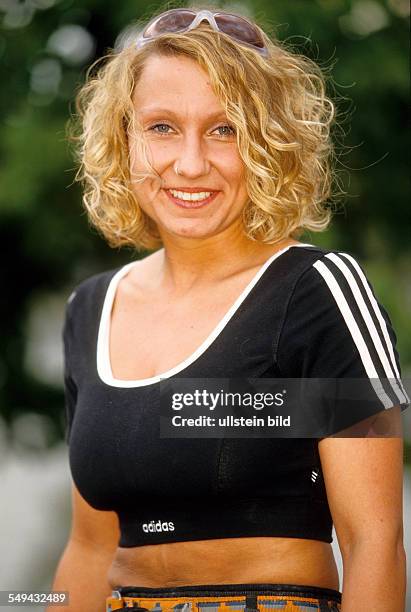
<point>161,154</point>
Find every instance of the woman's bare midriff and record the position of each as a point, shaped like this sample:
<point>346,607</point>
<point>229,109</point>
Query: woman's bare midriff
<point>218,561</point>
<point>226,561</point>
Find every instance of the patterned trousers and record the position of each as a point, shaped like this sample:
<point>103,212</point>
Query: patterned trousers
<point>225,598</point>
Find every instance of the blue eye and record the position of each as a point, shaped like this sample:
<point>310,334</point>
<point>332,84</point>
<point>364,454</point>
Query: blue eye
<point>165,132</point>
<point>159,125</point>
<point>222,127</point>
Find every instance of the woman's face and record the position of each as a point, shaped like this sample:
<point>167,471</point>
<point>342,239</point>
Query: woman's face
<point>185,125</point>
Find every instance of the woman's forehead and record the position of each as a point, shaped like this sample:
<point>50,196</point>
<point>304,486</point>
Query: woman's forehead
<point>175,83</point>
<point>163,73</point>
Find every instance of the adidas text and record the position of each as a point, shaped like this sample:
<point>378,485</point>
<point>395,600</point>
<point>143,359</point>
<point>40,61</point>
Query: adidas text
<point>154,526</point>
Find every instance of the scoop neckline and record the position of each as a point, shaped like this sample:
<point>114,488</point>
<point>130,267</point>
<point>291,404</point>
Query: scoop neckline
<point>104,370</point>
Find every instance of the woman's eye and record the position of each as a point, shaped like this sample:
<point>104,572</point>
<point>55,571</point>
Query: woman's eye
<point>162,128</point>
<point>229,130</point>
<point>159,125</point>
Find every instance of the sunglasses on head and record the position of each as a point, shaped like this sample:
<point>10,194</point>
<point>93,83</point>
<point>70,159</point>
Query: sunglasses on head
<point>177,21</point>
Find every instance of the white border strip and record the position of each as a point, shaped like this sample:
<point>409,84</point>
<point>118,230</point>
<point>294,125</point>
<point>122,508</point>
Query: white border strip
<point>103,349</point>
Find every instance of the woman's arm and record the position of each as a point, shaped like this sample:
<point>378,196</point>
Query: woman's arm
<point>84,565</point>
<point>363,478</point>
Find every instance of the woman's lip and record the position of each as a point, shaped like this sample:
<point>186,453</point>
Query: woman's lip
<point>193,189</point>
<point>192,204</point>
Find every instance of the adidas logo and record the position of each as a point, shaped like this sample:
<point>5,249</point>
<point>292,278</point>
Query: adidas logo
<point>154,526</point>
<point>314,475</point>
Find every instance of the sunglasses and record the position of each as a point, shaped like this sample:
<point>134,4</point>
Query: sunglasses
<point>177,21</point>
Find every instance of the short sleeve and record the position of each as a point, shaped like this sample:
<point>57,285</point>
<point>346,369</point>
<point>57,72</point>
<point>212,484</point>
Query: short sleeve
<point>70,389</point>
<point>335,328</point>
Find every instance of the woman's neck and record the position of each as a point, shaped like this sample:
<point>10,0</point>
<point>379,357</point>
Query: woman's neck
<point>184,263</point>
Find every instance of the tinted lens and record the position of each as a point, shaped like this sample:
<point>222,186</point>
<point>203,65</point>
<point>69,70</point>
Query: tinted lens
<point>239,28</point>
<point>175,21</point>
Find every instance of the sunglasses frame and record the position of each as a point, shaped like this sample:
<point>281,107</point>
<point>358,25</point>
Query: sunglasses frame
<point>198,17</point>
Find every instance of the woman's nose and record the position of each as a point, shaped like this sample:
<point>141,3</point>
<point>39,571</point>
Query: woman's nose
<point>192,161</point>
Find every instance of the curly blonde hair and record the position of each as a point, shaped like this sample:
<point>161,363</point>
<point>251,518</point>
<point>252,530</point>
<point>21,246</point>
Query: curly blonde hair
<point>282,118</point>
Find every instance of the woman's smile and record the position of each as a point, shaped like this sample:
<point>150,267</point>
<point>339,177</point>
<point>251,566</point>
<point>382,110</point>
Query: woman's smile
<point>191,199</point>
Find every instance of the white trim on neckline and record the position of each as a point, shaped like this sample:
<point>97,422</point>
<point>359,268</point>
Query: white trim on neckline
<point>103,348</point>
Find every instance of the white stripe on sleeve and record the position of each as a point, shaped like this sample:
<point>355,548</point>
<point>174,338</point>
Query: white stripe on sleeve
<point>370,323</point>
<point>354,330</point>
<point>380,318</point>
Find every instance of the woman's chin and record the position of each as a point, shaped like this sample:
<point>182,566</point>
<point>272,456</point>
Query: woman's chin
<point>189,229</point>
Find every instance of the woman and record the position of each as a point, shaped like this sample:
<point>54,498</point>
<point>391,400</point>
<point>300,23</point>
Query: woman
<point>208,143</point>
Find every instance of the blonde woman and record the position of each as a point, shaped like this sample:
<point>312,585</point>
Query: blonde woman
<point>208,143</point>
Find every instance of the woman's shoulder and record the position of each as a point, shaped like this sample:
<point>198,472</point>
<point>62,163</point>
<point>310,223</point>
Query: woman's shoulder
<point>92,285</point>
<point>300,264</point>
<point>327,281</point>
<point>92,289</point>
<point>326,261</point>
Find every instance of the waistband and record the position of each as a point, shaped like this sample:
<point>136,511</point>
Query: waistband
<point>225,598</point>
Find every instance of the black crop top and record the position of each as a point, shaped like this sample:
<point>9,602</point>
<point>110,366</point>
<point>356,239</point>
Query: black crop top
<point>308,312</point>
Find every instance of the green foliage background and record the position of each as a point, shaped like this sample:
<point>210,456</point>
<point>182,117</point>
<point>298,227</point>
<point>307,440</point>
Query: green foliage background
<point>47,244</point>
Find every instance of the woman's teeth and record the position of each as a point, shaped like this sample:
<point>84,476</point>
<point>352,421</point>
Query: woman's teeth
<point>190,197</point>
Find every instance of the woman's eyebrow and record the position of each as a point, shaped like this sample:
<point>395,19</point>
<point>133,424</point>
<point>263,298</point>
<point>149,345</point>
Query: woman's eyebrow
<point>155,109</point>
